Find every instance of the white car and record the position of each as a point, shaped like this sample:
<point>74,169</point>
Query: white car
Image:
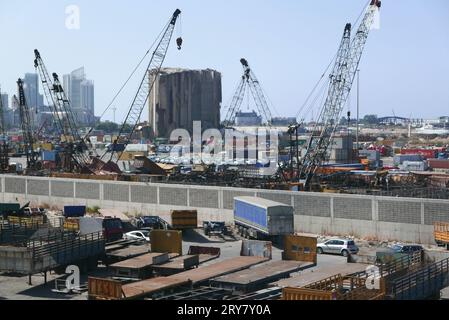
<point>143,235</point>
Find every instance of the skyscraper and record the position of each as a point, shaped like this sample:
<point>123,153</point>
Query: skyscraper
<point>87,98</point>
<point>31,88</point>
<point>80,92</point>
<point>5,102</point>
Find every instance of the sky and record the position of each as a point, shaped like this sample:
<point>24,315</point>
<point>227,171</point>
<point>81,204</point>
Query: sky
<point>288,43</point>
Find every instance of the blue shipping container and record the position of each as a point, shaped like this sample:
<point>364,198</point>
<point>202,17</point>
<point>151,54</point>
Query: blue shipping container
<point>48,155</point>
<point>250,213</point>
<point>74,211</point>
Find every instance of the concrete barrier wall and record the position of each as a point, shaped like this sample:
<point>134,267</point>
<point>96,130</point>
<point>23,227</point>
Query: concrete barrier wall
<point>381,218</point>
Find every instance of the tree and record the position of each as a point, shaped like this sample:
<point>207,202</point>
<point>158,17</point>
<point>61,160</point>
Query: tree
<point>108,127</point>
<point>371,119</point>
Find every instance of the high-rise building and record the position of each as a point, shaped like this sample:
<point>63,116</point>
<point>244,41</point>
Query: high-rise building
<point>80,92</point>
<point>5,101</point>
<point>31,88</point>
<point>87,96</point>
<point>180,97</point>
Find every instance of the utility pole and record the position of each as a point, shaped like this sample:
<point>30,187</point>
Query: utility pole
<point>358,109</point>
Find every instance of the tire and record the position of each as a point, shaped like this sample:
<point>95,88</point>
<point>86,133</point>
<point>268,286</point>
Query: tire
<point>319,250</point>
<point>345,253</point>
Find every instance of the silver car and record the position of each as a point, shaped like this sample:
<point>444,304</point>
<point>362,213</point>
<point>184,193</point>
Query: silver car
<point>343,247</point>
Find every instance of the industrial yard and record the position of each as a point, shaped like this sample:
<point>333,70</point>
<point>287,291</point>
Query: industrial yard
<point>191,198</point>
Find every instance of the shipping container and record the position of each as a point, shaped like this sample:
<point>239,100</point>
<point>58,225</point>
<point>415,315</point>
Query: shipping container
<point>48,155</point>
<point>400,158</point>
<point>413,166</point>
<point>9,208</point>
<point>426,153</point>
<point>184,219</point>
<point>260,218</point>
<point>74,211</point>
<point>438,163</point>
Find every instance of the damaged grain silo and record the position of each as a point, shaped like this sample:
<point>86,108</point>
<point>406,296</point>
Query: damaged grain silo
<point>181,96</point>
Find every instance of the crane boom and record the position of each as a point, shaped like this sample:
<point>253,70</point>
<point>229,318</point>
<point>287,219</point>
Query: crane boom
<point>62,113</point>
<point>146,86</point>
<point>27,131</point>
<point>236,103</point>
<point>257,92</point>
<point>341,81</point>
<point>250,80</point>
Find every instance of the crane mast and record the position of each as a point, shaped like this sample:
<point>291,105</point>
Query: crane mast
<point>4,157</point>
<point>63,116</point>
<point>257,92</point>
<point>27,131</point>
<point>146,85</point>
<point>341,81</point>
<point>248,80</point>
<point>236,103</point>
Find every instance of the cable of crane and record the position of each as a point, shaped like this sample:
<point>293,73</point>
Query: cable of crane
<point>131,75</point>
<point>328,66</point>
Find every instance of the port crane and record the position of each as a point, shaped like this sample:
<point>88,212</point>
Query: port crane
<point>248,81</point>
<point>340,83</point>
<point>4,157</point>
<point>146,86</point>
<point>74,145</point>
<point>25,119</point>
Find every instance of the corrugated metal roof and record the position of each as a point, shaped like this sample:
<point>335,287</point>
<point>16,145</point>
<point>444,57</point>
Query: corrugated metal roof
<point>261,202</point>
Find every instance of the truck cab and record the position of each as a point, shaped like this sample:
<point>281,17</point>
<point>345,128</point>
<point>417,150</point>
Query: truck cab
<point>112,229</point>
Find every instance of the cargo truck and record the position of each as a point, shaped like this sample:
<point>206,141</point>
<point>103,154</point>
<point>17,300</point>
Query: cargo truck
<point>112,228</point>
<point>262,219</point>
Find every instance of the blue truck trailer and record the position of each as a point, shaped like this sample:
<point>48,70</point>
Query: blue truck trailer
<point>262,219</point>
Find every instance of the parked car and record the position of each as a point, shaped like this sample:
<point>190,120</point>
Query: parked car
<point>343,247</point>
<point>397,251</point>
<point>406,248</point>
<point>143,235</point>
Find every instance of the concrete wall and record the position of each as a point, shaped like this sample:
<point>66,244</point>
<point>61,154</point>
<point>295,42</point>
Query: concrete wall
<point>382,218</point>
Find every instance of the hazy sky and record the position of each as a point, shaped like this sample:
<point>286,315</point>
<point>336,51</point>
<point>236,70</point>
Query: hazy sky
<point>288,43</point>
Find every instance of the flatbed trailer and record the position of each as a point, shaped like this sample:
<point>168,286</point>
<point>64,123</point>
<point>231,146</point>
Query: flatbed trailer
<point>177,265</point>
<point>138,268</point>
<point>257,277</point>
<point>107,289</point>
<point>125,253</point>
<point>44,254</point>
